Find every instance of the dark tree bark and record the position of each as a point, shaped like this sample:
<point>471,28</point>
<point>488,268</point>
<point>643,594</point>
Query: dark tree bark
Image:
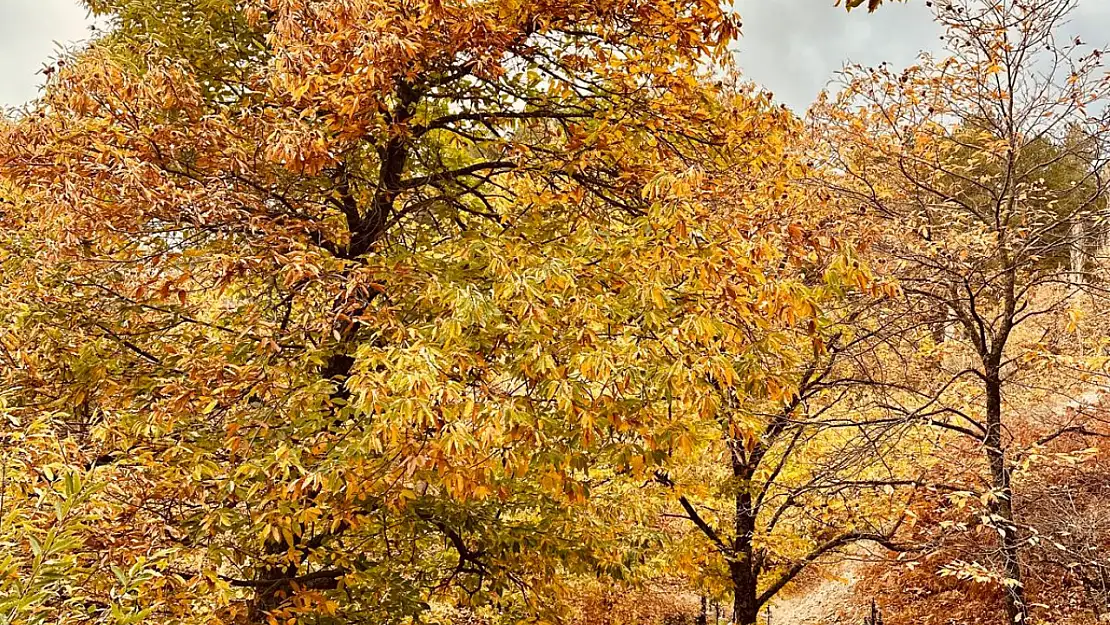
<point>1002,507</point>
<point>742,567</point>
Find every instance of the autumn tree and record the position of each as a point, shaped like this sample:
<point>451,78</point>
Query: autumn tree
<point>986,167</point>
<point>344,308</point>
<point>794,475</point>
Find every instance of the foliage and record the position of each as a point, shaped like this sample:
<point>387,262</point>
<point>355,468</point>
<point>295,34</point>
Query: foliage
<point>346,311</point>
<point>986,168</point>
<point>366,306</point>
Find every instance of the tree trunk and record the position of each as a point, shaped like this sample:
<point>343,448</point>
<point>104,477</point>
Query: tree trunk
<point>1076,257</point>
<point>1002,508</point>
<point>742,569</point>
<point>745,610</point>
<point>365,228</point>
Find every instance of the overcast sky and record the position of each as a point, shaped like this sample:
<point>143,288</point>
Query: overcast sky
<point>31,32</point>
<point>792,47</point>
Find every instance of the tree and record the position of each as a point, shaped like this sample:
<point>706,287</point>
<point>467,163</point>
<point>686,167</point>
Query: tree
<point>973,166</point>
<point>353,307</point>
<point>788,477</point>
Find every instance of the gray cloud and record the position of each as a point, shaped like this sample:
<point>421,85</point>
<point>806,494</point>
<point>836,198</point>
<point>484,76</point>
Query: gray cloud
<point>794,47</point>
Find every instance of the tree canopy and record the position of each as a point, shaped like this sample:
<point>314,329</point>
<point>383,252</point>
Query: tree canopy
<point>440,311</point>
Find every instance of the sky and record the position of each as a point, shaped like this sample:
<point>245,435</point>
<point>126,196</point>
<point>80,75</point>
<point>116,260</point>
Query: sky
<point>794,47</point>
<point>31,33</point>
<point>791,47</point>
